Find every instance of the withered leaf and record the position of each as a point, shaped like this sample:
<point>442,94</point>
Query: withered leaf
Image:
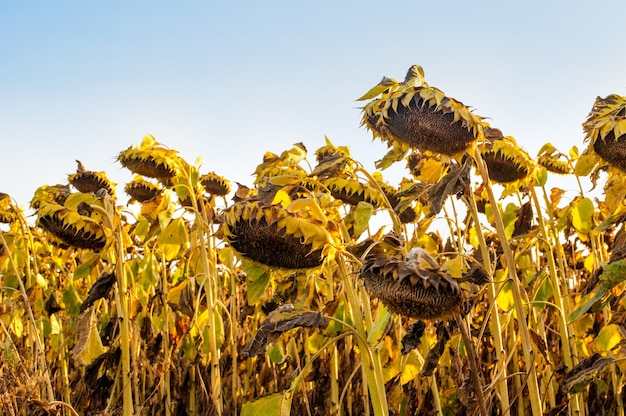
<point>52,304</point>
<point>584,372</point>
<point>411,339</point>
<point>280,320</point>
<point>453,183</point>
<point>432,358</point>
<point>524,220</point>
<point>99,290</point>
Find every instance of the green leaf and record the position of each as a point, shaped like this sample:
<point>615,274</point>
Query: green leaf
<point>585,164</point>
<point>268,405</point>
<point>509,216</point>
<point>362,215</point>
<point>582,215</point>
<point>174,233</point>
<point>394,155</point>
<point>379,328</point>
<point>586,303</point>
<point>258,278</point>
<point>613,273</point>
<point>541,176</point>
<point>608,337</point>
<point>72,300</point>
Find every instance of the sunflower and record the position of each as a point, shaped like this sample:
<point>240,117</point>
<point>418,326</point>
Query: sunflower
<point>418,116</point>
<point>151,159</point>
<point>87,181</point>
<point>141,190</point>
<point>287,237</point>
<point>71,227</point>
<point>506,161</point>
<point>46,194</point>
<point>352,191</point>
<point>605,130</point>
<point>414,287</point>
<point>555,164</point>
<point>8,213</point>
<point>215,185</point>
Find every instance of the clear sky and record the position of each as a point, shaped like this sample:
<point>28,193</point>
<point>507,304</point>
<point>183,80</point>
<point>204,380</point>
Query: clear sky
<point>227,81</point>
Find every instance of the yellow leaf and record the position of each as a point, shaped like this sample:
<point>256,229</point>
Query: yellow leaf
<point>281,198</point>
<point>608,337</point>
<point>378,89</point>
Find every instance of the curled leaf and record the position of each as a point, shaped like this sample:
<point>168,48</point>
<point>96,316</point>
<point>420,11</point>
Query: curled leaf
<point>281,320</point>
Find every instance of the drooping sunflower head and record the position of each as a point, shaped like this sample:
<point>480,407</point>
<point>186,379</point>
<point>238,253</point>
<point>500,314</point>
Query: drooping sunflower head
<point>553,160</point>
<point>353,191</point>
<point>418,116</point>
<point>72,224</point>
<point>88,181</point>
<point>605,130</point>
<point>46,194</point>
<point>332,160</point>
<point>272,229</point>
<point>506,161</point>
<point>287,163</point>
<point>8,211</point>
<point>151,159</point>
<point>414,286</point>
<point>215,185</point>
<point>141,190</point>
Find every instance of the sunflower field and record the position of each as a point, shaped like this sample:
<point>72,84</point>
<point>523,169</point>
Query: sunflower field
<point>474,286</point>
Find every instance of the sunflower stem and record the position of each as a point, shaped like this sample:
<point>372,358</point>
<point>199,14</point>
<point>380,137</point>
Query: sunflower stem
<point>372,366</point>
<point>473,362</point>
<point>495,325</point>
<point>529,355</point>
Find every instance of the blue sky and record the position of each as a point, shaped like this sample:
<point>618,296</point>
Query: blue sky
<point>227,81</point>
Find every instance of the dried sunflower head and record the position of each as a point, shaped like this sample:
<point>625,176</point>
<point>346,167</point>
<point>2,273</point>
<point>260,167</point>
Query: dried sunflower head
<point>215,185</point>
<point>141,190</point>
<point>151,159</point>
<point>506,161</point>
<point>282,235</point>
<point>8,211</point>
<point>71,227</point>
<point>605,130</point>
<point>418,116</point>
<point>414,287</point>
<point>352,191</point>
<point>553,160</point>
<point>87,181</point>
<point>287,163</point>
<point>46,194</point>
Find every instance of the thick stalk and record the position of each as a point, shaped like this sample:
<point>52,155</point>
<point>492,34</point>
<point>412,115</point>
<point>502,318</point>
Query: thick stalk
<point>372,366</point>
<point>529,355</point>
<point>473,362</point>
<point>124,317</point>
<point>558,298</point>
<point>209,284</point>
<point>495,326</point>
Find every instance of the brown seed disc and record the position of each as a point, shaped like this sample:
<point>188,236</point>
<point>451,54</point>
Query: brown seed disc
<point>215,185</point>
<point>425,128</point>
<point>414,300</point>
<point>142,191</point>
<point>87,182</point>
<point>555,165</point>
<point>503,169</point>
<point>147,167</point>
<point>611,150</point>
<point>70,234</point>
<point>269,245</point>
